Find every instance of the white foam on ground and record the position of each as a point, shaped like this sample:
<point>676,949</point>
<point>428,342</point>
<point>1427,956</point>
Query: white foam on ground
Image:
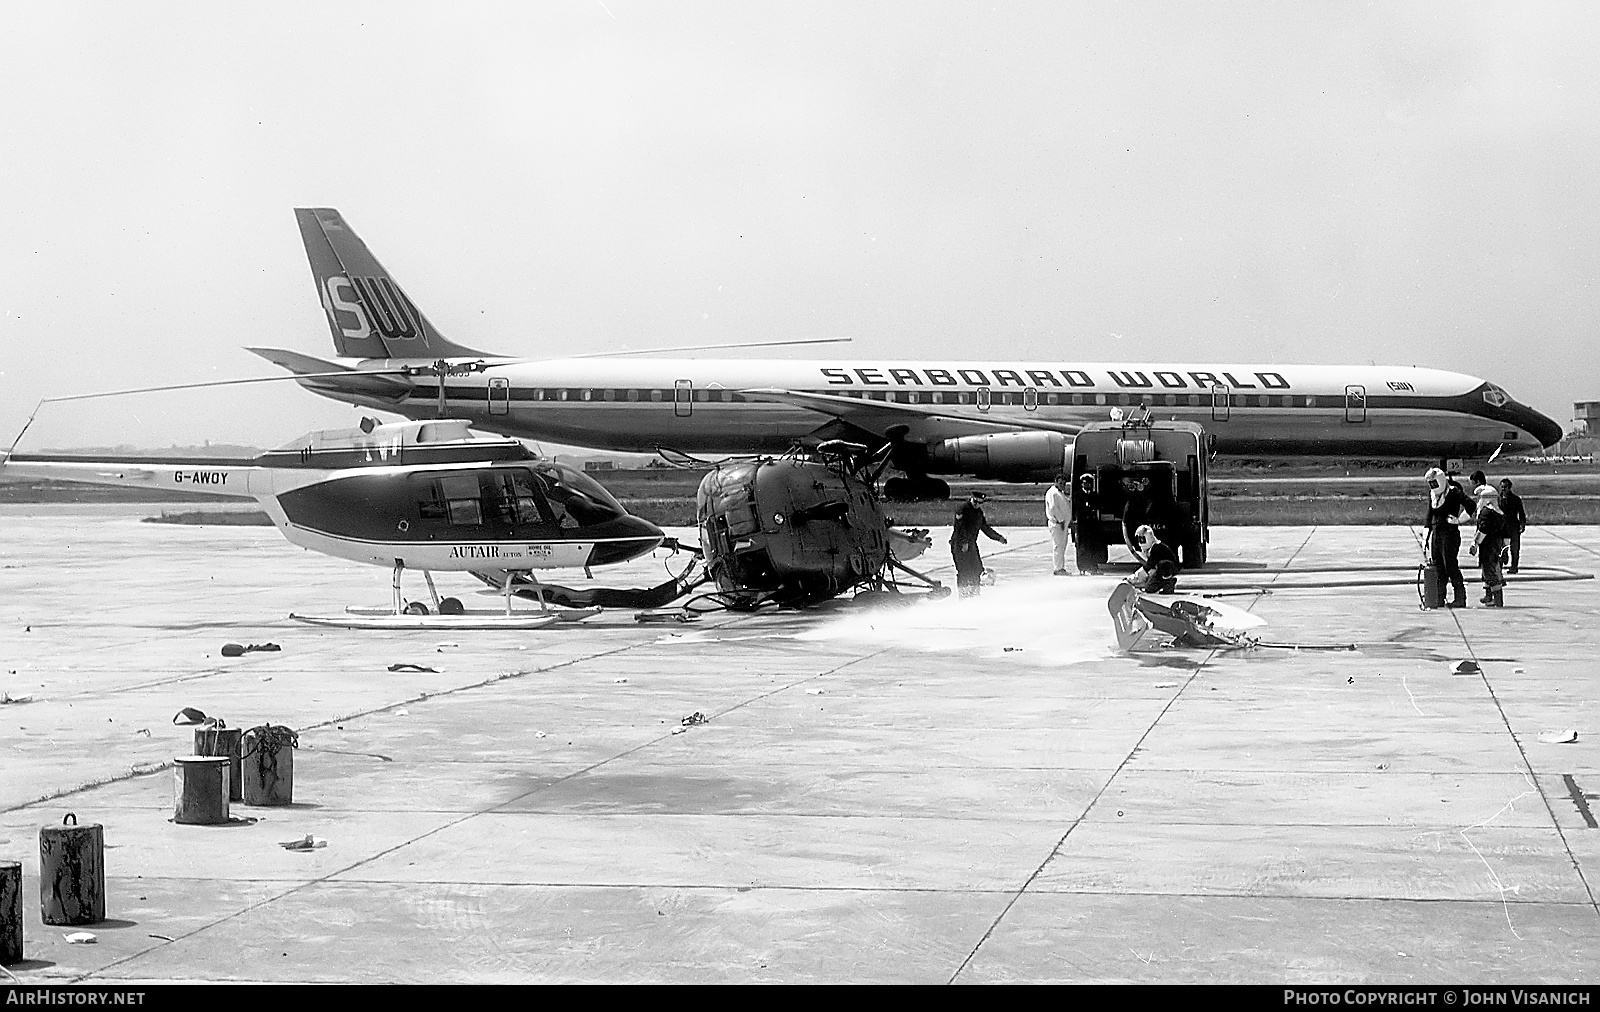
<point>1047,621</point>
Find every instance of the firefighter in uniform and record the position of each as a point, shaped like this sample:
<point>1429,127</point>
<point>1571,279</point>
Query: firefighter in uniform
<point>1159,574</point>
<point>1447,503</point>
<point>1489,544</point>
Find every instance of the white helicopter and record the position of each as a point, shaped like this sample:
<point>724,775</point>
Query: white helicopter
<point>428,495</point>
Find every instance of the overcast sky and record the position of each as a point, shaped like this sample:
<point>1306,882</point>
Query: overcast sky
<point>1274,182</point>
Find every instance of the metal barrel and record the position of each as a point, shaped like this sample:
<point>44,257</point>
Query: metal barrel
<point>72,873</point>
<point>222,740</point>
<point>268,759</point>
<point>10,912</point>
<point>200,785</point>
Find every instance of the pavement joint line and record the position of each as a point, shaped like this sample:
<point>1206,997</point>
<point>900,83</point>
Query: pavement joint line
<point>150,769</point>
<point>1528,772</point>
<point>329,877</point>
<point>1568,541</point>
<point>1084,815</point>
<point>249,908</point>
<point>888,890</point>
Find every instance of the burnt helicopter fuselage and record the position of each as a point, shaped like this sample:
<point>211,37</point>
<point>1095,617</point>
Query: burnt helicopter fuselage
<point>790,530</point>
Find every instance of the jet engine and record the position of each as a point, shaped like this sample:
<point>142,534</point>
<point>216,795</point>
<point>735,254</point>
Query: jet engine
<point>794,531</point>
<point>1002,456</point>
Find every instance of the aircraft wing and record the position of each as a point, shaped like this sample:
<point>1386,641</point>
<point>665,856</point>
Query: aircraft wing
<point>921,422</point>
<point>358,382</point>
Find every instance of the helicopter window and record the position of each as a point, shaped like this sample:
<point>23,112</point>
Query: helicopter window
<point>453,497</point>
<point>509,498</point>
<point>633,395</point>
<point>575,498</point>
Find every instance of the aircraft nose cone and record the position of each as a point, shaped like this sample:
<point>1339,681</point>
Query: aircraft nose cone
<point>626,538</point>
<point>1542,430</point>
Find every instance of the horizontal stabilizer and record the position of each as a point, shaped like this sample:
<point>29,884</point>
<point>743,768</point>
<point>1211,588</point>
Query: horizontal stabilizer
<point>356,381</point>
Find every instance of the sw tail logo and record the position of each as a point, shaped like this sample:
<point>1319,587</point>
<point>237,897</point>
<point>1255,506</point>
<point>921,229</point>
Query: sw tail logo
<point>391,314</point>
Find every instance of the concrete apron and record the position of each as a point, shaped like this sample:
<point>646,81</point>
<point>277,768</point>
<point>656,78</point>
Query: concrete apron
<point>933,809</point>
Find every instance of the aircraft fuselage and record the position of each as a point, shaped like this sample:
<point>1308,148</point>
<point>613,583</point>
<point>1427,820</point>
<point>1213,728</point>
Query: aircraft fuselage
<point>712,406</point>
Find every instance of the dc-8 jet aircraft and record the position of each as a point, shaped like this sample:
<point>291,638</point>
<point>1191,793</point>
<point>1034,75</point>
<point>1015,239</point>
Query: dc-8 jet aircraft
<point>993,419</point>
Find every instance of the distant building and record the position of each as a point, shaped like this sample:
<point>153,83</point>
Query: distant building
<point>599,465</point>
<point>1586,418</point>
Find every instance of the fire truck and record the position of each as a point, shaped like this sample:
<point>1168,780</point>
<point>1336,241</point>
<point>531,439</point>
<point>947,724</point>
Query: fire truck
<point>1132,471</point>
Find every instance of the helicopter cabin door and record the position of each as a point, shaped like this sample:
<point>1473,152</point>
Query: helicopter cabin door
<point>682,398</point>
<point>499,395</point>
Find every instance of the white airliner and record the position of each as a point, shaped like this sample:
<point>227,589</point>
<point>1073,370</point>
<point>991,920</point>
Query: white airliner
<point>996,419</point>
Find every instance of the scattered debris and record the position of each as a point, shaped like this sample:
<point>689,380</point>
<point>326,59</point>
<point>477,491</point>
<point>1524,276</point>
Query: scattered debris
<point>189,715</point>
<point>694,719</point>
<point>618,681</point>
<point>402,712</point>
<point>308,843</point>
<point>6,697</point>
<point>538,734</point>
<point>1383,766</point>
<point>665,615</point>
<point>679,730</point>
<point>815,692</point>
<point>1558,737</point>
<point>164,938</point>
<point>144,731</point>
<point>1518,671</point>
<point>1012,650</point>
<point>1166,685</point>
<point>446,645</point>
<point>407,666</point>
<point>1466,668</point>
<point>81,937</point>
<point>239,650</point>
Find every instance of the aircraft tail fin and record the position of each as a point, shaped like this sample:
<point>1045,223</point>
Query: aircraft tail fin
<point>369,315</point>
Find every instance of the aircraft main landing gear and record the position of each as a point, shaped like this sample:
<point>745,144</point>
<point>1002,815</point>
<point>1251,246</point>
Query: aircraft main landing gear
<point>916,488</point>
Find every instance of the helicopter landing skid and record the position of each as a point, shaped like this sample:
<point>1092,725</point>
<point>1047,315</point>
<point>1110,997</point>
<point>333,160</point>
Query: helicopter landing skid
<point>391,621</point>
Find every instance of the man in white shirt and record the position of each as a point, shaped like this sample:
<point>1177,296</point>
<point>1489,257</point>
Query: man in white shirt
<point>1057,512</point>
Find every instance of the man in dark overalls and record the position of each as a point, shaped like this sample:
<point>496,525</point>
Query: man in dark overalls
<point>969,521</point>
<point>1447,503</point>
<point>1516,518</point>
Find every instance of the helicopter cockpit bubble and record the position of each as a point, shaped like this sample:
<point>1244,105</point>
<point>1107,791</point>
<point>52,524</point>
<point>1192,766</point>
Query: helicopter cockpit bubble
<point>584,498</point>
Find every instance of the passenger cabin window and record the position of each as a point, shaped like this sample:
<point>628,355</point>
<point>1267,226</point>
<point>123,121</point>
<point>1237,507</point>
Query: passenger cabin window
<point>505,498</point>
<point>452,497</point>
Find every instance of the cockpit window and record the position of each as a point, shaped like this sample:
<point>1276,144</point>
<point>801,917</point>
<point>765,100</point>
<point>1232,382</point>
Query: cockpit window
<point>1495,397</point>
<point>577,495</point>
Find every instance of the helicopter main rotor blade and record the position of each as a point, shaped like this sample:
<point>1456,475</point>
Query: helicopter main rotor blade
<point>687,347</point>
<point>226,383</point>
